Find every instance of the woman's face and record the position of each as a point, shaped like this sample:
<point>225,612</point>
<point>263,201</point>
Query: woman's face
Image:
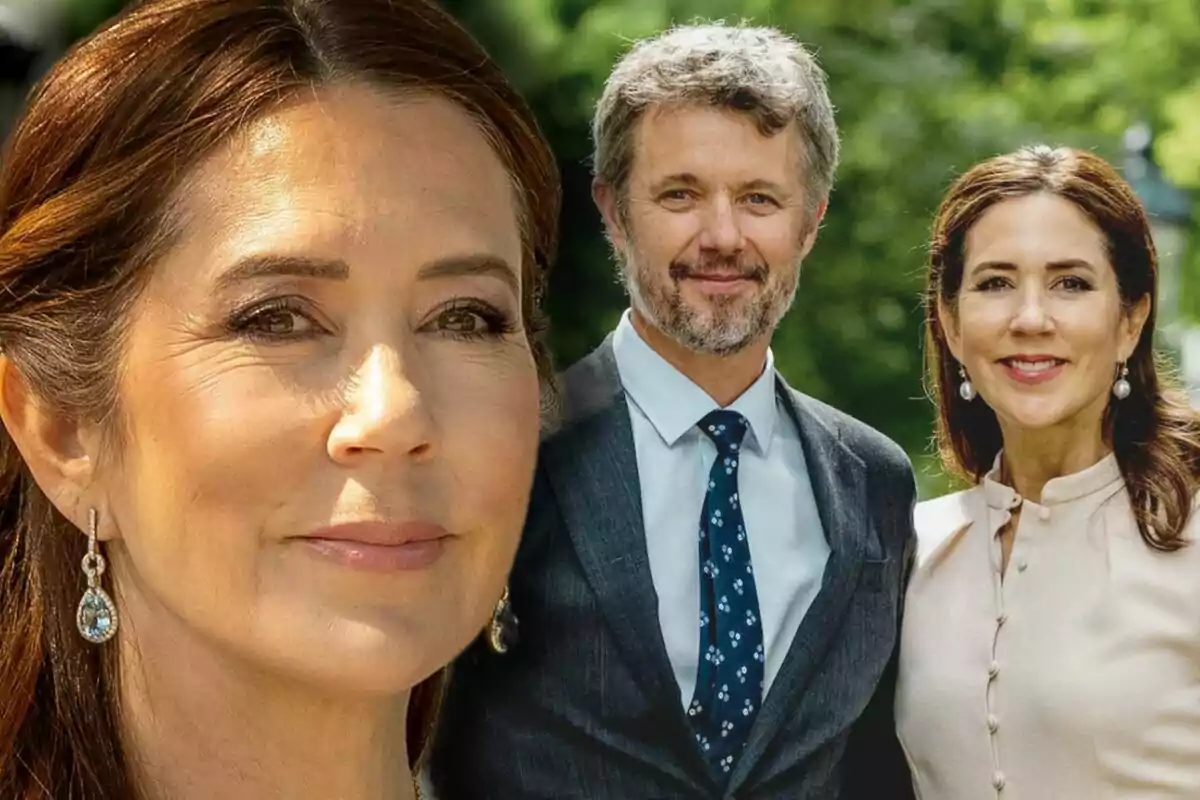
<point>327,369</point>
<point>1039,324</point>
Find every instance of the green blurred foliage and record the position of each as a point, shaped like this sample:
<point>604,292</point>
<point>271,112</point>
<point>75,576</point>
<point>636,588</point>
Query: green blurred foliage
<point>923,88</point>
<point>84,16</point>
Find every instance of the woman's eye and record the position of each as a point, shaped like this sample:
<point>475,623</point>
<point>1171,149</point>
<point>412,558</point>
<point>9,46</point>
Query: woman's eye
<point>473,320</point>
<point>280,323</point>
<point>275,321</point>
<point>460,320</point>
<point>991,284</point>
<point>1074,283</point>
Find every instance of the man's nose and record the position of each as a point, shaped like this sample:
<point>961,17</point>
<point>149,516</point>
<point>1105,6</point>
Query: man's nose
<point>722,230</point>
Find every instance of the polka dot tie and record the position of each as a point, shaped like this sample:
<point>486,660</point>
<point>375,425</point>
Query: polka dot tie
<point>729,681</point>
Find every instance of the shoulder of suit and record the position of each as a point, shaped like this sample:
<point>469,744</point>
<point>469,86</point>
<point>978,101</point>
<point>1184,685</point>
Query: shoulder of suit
<point>941,519</point>
<point>587,387</point>
<point>875,448</point>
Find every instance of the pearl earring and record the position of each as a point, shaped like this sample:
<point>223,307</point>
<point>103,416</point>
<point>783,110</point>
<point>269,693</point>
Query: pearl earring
<point>1121,388</point>
<point>965,389</point>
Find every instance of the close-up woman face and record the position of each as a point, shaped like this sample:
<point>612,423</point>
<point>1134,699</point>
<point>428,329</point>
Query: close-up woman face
<point>1039,323</point>
<point>327,401</point>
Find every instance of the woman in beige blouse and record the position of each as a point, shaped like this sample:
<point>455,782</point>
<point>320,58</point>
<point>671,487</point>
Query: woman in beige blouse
<point>1051,642</point>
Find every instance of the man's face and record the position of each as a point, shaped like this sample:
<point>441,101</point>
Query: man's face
<point>714,227</point>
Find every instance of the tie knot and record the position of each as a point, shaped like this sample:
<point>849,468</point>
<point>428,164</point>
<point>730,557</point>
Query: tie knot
<point>725,428</point>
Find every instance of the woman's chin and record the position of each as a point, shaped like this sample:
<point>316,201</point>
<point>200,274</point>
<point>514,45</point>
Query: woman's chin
<point>378,666</point>
<point>1034,415</point>
<point>363,675</point>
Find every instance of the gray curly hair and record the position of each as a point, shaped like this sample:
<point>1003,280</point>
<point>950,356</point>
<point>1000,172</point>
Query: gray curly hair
<point>757,71</point>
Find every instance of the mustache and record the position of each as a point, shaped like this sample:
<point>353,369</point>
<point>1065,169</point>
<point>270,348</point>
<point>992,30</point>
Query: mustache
<point>724,267</point>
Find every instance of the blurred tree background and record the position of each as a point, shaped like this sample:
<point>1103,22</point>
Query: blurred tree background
<point>923,89</point>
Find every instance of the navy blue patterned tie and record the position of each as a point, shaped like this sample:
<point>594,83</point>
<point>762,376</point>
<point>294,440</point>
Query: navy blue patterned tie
<point>729,681</point>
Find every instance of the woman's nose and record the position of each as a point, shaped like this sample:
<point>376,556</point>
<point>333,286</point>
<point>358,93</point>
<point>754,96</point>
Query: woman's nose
<point>1031,315</point>
<point>385,412</point>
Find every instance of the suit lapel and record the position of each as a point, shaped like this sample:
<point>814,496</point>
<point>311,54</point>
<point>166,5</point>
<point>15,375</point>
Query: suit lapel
<point>594,473</point>
<point>838,479</point>
<point>592,466</point>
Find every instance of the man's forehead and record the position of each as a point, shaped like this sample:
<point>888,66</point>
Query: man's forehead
<point>697,144</point>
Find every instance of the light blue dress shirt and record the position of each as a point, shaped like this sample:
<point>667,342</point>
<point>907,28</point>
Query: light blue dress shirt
<point>787,544</point>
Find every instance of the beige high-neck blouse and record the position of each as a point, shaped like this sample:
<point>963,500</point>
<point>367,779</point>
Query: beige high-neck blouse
<point>1076,676</point>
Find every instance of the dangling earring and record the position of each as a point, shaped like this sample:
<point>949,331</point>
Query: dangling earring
<point>502,631</point>
<point>966,390</point>
<point>96,616</point>
<point>1121,388</point>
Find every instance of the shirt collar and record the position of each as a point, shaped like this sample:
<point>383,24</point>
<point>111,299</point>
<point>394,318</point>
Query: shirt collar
<point>1063,489</point>
<point>674,404</point>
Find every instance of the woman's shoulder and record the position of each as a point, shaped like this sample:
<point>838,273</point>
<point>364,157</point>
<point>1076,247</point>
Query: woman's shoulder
<point>940,519</point>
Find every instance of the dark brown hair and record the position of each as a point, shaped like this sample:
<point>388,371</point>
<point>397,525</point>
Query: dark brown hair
<point>1153,432</point>
<point>87,177</point>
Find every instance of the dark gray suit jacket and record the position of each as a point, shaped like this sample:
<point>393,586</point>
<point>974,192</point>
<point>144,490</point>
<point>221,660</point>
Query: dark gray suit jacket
<point>586,705</point>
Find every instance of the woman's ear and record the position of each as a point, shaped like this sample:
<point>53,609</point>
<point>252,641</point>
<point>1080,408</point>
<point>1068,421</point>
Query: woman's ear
<point>60,452</point>
<point>947,322</point>
<point>1132,322</point>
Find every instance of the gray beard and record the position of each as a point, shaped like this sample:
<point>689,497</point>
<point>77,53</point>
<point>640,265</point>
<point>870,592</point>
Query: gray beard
<point>726,327</point>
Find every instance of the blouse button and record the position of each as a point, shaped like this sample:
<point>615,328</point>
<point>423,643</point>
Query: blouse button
<point>1001,619</point>
<point>998,781</point>
<point>993,670</point>
<point>1022,565</point>
<point>993,723</point>
<point>1043,513</point>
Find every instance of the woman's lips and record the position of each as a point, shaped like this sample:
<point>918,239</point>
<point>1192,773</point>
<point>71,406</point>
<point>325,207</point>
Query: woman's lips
<point>379,546</point>
<point>1032,370</point>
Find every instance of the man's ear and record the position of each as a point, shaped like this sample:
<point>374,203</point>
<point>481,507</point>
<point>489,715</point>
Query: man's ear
<point>60,452</point>
<point>819,216</point>
<point>608,203</point>
<point>814,225</point>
